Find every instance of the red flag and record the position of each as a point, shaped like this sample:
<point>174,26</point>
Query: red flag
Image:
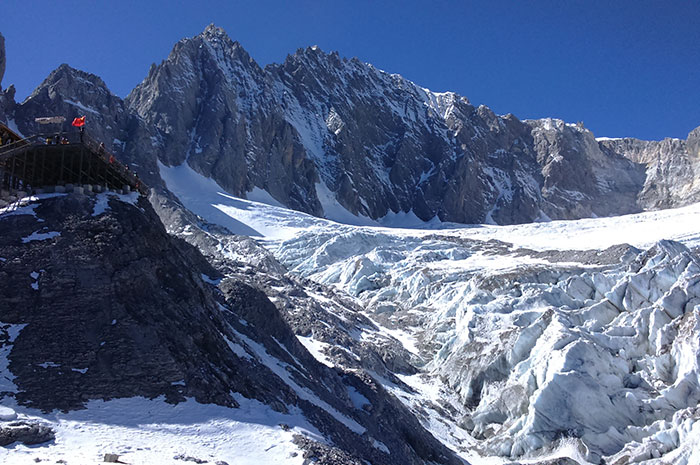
<point>79,122</point>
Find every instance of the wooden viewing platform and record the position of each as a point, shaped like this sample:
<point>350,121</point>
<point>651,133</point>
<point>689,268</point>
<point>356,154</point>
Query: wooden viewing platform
<point>41,162</point>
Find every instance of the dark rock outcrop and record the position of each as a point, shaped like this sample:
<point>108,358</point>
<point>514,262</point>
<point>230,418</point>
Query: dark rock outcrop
<point>114,307</point>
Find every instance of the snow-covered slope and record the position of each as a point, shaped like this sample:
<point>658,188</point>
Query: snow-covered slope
<point>143,431</point>
<point>575,338</point>
<point>271,221</point>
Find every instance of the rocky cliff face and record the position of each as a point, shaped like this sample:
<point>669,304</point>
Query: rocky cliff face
<point>101,322</point>
<point>7,97</point>
<point>209,105</point>
<point>672,168</point>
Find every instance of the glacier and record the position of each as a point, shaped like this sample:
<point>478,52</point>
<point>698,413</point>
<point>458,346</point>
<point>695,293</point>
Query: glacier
<point>574,339</point>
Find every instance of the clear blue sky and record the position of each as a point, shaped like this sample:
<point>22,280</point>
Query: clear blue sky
<point>625,68</point>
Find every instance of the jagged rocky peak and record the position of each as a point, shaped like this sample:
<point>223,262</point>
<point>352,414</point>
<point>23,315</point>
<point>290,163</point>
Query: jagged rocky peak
<point>314,53</point>
<point>211,51</point>
<point>212,105</point>
<point>216,36</point>
<point>66,80</point>
<point>210,57</point>
<point>214,33</point>
<point>224,46</point>
<point>71,92</point>
<point>197,68</point>
<point>311,71</point>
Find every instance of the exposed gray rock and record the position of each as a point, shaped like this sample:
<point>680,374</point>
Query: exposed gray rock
<point>7,103</point>
<point>7,97</point>
<point>187,458</point>
<point>26,432</point>
<point>580,180</point>
<point>117,309</point>
<point>556,461</point>
<point>672,168</point>
<point>322,454</point>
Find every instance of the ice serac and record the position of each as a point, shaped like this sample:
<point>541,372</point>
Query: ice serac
<point>588,353</point>
<point>607,357</point>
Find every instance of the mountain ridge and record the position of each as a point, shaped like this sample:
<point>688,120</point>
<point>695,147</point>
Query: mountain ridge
<point>320,132</point>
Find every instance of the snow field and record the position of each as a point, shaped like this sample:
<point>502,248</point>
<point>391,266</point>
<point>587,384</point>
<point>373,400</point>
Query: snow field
<point>143,431</point>
<point>264,218</point>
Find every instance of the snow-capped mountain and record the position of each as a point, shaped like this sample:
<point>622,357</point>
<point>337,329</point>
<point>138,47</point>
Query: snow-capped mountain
<point>319,125</point>
<point>319,132</point>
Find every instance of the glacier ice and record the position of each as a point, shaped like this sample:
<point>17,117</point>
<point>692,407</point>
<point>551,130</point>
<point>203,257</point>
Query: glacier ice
<point>539,350</point>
